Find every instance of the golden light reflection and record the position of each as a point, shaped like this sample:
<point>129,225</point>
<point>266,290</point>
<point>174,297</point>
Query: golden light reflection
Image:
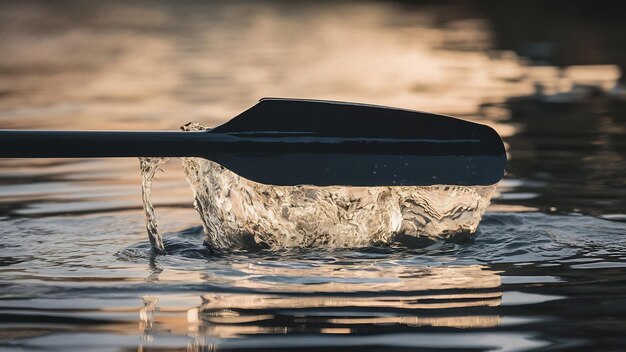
<point>364,278</point>
<point>124,79</point>
<point>413,297</point>
<point>260,301</point>
<point>461,322</point>
<point>149,70</point>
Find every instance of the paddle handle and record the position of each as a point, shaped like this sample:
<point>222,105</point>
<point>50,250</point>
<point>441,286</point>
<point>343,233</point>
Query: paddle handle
<point>88,144</point>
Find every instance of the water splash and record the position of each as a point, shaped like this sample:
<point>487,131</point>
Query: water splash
<point>238,213</point>
<point>149,167</point>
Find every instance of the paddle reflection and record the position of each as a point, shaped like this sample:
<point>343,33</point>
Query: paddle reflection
<point>390,299</point>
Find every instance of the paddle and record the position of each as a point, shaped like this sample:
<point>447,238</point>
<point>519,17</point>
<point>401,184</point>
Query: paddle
<point>293,141</point>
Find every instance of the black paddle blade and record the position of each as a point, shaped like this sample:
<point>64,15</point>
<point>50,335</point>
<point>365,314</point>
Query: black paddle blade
<point>325,143</point>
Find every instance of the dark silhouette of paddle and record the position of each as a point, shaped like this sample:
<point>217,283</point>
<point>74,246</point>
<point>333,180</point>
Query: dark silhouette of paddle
<point>295,141</point>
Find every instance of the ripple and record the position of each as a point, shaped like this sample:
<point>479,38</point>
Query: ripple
<point>515,274</point>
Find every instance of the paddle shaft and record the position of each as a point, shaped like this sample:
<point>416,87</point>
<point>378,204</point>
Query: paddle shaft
<point>93,144</point>
<point>89,144</point>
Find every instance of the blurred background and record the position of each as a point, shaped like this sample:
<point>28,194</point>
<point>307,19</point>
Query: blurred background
<point>549,76</point>
<point>545,271</point>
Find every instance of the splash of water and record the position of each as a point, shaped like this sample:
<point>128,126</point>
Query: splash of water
<point>149,167</point>
<point>238,213</point>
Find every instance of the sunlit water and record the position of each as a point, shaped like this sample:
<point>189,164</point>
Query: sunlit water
<point>544,271</point>
<point>527,280</point>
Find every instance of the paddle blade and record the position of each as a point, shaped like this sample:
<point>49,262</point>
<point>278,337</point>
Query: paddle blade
<point>324,143</point>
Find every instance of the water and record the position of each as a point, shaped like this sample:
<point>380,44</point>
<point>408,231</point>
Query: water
<point>544,271</point>
<point>526,281</point>
<point>239,213</point>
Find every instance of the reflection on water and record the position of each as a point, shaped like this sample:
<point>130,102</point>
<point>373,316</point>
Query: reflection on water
<point>526,281</point>
<point>227,315</point>
<point>545,271</point>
